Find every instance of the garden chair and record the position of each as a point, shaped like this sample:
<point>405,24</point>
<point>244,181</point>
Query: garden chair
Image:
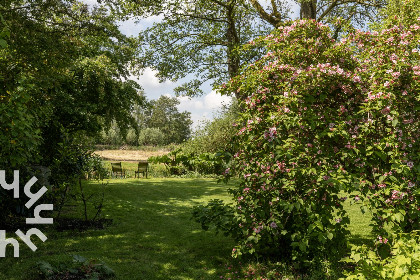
<point>117,169</point>
<point>142,167</point>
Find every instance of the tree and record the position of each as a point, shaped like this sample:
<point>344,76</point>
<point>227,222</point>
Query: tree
<point>405,14</point>
<point>200,37</point>
<point>322,10</point>
<point>164,115</point>
<point>214,136</point>
<point>205,38</point>
<point>65,66</point>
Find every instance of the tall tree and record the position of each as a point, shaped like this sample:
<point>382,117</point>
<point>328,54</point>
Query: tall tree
<point>61,70</point>
<point>164,115</point>
<point>200,38</point>
<point>203,38</point>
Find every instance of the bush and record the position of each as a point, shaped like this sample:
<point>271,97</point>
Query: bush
<point>79,269</point>
<point>321,117</point>
<point>216,215</point>
<point>403,262</point>
<point>214,136</point>
<point>111,136</point>
<point>131,138</point>
<point>179,163</point>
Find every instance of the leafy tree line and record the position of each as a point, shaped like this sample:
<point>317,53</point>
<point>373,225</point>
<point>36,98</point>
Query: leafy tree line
<point>208,151</point>
<point>157,122</point>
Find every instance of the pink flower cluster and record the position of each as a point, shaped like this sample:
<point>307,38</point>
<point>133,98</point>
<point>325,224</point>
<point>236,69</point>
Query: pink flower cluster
<point>270,134</point>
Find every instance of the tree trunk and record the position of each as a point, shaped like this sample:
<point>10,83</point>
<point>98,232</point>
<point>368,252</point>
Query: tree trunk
<point>308,9</point>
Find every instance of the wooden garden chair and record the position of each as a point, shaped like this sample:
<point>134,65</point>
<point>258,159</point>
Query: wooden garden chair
<point>117,169</point>
<point>142,167</point>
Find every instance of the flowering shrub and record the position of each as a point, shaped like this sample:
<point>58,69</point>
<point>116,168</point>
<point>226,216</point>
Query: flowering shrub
<point>322,117</point>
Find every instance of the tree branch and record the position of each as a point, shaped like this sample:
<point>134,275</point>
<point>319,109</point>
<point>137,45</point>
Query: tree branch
<point>328,10</point>
<point>264,15</point>
<point>275,10</point>
<point>220,3</point>
<point>336,3</point>
<point>201,17</point>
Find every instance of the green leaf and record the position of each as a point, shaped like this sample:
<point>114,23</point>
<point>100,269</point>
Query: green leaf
<point>381,155</point>
<point>3,43</point>
<point>330,235</point>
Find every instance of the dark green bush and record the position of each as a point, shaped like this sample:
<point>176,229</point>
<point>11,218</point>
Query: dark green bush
<point>78,269</point>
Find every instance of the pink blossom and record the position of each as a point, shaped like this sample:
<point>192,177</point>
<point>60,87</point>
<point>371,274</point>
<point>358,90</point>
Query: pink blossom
<point>396,74</point>
<point>386,110</point>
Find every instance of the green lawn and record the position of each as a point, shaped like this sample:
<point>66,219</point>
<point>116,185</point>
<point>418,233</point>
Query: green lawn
<point>152,236</point>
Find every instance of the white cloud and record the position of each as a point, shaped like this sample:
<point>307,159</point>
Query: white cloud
<point>189,104</point>
<point>90,2</point>
<point>150,83</point>
<point>130,27</point>
<point>203,108</point>
<point>215,100</point>
<point>149,79</point>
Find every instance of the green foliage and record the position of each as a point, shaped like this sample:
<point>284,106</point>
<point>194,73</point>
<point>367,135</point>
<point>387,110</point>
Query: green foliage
<point>61,72</point>
<point>164,115</point>
<point>111,136</point>
<point>172,161</point>
<point>79,269</point>
<point>158,122</point>
<point>203,38</point>
<point>216,215</point>
<point>151,137</point>
<point>322,117</point>
<point>403,261</point>
<point>177,162</point>
<point>73,162</point>
<point>398,12</point>
<point>199,39</point>
<point>214,136</point>
<point>63,77</point>
<point>20,135</point>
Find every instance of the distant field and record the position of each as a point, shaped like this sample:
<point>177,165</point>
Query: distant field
<point>129,155</point>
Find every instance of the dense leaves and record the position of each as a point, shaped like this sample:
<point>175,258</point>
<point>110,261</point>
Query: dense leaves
<point>403,263</point>
<point>200,38</point>
<point>323,118</point>
<point>62,70</point>
<point>164,115</point>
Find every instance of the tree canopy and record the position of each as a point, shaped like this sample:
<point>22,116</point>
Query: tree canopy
<point>63,69</point>
<point>164,115</point>
<point>204,38</point>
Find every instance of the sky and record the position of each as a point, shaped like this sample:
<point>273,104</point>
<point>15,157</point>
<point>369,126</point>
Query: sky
<point>201,108</point>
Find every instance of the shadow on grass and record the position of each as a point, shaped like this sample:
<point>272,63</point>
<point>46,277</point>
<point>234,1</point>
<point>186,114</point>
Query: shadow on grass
<point>152,235</point>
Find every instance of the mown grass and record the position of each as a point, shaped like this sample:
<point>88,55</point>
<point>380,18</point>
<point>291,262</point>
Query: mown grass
<point>152,235</point>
